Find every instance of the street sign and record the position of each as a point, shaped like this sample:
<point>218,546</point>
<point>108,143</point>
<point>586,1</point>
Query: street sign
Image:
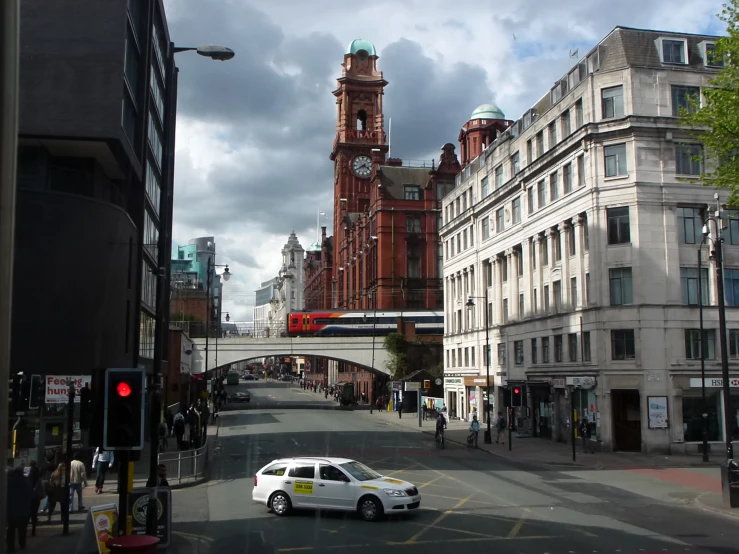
<point>138,502</point>
<point>409,385</point>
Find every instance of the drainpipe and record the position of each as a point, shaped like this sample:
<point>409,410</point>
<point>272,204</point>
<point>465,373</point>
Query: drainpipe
<point>392,251</point>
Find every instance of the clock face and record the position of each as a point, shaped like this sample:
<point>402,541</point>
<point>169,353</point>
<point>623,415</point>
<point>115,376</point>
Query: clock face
<point>362,166</point>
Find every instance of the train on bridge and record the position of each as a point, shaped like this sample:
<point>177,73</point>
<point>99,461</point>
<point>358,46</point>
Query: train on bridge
<point>362,323</point>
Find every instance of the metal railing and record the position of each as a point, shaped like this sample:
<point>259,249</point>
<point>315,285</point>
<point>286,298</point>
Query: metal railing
<point>188,464</point>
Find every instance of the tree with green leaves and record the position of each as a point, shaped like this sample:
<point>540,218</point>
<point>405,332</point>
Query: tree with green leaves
<point>716,122</point>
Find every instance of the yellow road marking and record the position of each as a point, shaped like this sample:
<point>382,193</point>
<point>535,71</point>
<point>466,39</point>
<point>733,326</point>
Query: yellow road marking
<point>193,536</point>
<point>488,504</point>
<point>414,538</point>
<point>587,533</point>
<point>427,483</point>
<point>519,524</point>
<point>452,529</point>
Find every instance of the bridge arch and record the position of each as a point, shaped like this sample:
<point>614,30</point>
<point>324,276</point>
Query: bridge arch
<point>353,350</point>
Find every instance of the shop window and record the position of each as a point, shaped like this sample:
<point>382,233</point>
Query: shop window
<point>693,410</point>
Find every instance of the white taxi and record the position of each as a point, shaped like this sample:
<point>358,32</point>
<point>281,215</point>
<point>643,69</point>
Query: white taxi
<point>331,484</point>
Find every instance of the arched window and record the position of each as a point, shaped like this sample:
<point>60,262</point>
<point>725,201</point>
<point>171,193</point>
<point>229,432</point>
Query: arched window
<point>361,120</point>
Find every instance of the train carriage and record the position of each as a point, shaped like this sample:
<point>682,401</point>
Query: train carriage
<point>363,323</point>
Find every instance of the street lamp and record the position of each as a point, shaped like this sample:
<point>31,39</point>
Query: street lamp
<point>704,403</point>
<point>163,271</point>
<point>471,304</point>
<point>208,283</point>
<point>728,468</point>
<point>212,51</point>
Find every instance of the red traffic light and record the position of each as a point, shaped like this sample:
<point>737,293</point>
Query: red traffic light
<point>123,389</point>
<point>516,390</point>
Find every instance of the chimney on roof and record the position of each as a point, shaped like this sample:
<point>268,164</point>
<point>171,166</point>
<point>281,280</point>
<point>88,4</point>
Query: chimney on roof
<point>394,162</point>
<point>323,233</point>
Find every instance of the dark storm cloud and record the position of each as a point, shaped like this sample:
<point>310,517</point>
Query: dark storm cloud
<point>274,102</point>
<point>427,103</point>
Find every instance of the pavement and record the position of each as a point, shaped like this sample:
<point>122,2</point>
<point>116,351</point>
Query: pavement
<point>478,500</point>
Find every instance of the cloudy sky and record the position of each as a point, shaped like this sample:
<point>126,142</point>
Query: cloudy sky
<point>254,133</point>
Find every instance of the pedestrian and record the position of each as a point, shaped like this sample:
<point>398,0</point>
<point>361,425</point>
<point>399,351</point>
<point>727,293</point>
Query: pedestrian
<point>55,490</point>
<point>500,437</point>
<point>179,429</point>
<point>587,445</point>
<point>77,480</point>
<point>400,409</point>
<point>204,418</point>
<point>46,472</point>
<point>19,503</point>
<point>163,434</point>
<point>475,429</point>
<point>35,479</point>
<point>170,422</point>
<point>162,476</point>
<point>102,460</point>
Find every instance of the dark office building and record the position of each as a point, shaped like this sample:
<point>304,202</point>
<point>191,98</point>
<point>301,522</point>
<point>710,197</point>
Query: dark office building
<point>94,183</point>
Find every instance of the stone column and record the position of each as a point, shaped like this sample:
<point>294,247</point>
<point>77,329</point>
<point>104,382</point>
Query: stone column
<point>540,245</point>
<point>565,228</point>
<point>526,282</point>
<point>513,276</point>
<point>580,223</point>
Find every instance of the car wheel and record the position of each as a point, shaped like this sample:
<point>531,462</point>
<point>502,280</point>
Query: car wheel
<point>279,503</point>
<point>370,508</point>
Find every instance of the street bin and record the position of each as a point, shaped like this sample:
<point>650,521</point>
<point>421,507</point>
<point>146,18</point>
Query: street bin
<point>730,484</point>
<point>488,437</point>
<point>133,544</point>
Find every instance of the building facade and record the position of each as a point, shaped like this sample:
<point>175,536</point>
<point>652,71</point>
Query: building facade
<point>262,307</point>
<point>581,226</point>
<point>318,274</point>
<point>289,287</point>
<point>94,185</point>
<point>386,213</point>
<point>189,304</point>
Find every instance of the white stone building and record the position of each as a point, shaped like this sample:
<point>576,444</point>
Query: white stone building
<point>582,222</point>
<point>289,286</point>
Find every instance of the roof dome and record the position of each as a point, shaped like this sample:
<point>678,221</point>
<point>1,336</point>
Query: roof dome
<point>315,247</point>
<point>487,111</point>
<point>360,44</point>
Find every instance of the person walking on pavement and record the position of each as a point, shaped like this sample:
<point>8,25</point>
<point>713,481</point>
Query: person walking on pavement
<point>39,493</point>
<point>162,476</point>
<point>587,446</point>
<point>500,437</point>
<point>18,508</point>
<point>475,429</point>
<point>179,429</point>
<point>77,480</point>
<point>102,460</point>
<point>400,410</point>
<point>55,490</point>
<point>170,422</point>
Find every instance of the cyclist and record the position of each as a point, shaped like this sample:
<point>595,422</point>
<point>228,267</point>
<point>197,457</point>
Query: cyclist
<point>440,425</point>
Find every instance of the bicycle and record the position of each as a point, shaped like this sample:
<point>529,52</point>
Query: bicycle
<point>440,438</point>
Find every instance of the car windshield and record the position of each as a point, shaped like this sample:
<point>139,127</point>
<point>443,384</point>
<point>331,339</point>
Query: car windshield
<point>360,471</point>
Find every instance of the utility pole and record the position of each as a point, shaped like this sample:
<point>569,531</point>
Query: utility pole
<point>9,52</point>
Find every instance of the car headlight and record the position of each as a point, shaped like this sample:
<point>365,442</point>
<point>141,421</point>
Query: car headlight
<point>394,492</point>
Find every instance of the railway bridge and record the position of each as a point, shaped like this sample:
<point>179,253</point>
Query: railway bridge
<point>364,352</point>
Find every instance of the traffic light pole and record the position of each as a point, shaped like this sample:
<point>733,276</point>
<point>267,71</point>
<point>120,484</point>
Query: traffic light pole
<point>123,457</point>
<point>572,424</point>
<point>68,461</point>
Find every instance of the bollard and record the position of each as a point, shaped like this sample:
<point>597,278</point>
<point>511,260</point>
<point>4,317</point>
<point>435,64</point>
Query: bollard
<point>133,544</point>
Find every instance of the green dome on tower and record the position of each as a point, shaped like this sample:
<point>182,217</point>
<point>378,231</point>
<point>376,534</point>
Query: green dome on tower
<point>360,44</point>
<point>487,111</point>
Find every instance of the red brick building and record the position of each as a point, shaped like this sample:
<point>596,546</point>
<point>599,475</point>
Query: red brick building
<point>483,127</point>
<point>386,214</point>
<point>318,273</point>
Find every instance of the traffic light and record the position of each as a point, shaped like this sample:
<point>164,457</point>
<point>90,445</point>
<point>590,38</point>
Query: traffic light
<point>124,409</point>
<point>21,392</point>
<point>516,395</point>
<point>37,392</point>
<point>85,407</point>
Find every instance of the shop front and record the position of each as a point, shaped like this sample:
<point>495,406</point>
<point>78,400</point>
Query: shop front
<point>454,394</point>
<point>690,407</point>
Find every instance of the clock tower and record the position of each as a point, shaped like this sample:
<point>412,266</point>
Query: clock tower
<point>359,131</point>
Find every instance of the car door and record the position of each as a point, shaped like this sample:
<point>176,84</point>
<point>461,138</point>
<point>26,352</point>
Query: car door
<point>334,489</point>
<point>300,484</point>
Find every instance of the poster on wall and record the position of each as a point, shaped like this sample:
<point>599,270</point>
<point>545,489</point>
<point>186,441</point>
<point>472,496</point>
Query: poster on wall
<point>57,390</point>
<point>657,409</point>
